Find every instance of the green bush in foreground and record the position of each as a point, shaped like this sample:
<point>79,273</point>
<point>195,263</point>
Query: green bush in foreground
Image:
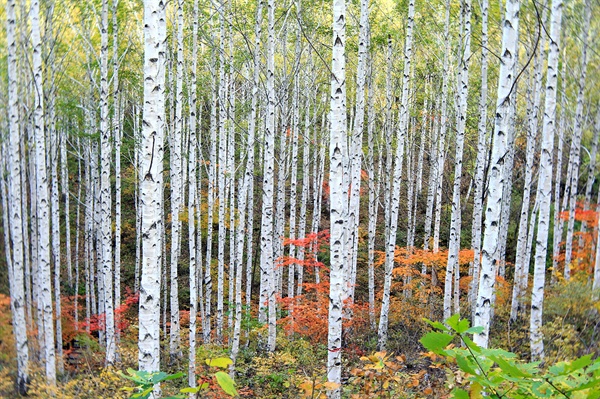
<point>497,373</point>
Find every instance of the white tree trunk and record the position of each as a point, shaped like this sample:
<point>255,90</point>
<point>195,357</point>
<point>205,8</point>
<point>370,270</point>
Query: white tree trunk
<point>193,204</point>
<point>212,189</point>
<point>267,266</point>
<point>496,183</point>
<point>574,155</point>
<point>13,212</point>
<point>338,184</point>
<point>397,180</point>
<point>176,192</point>
<point>545,184</point>
<point>480,163</point>
<point>251,133</point>
<point>117,122</point>
<point>151,159</point>
<point>43,272</point>
<point>221,171</point>
<point>105,192</point>
<point>374,189</point>
<point>558,223</point>
<point>441,152</point>
<point>452,266</point>
<point>521,267</point>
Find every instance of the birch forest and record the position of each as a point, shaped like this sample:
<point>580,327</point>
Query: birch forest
<point>300,199</point>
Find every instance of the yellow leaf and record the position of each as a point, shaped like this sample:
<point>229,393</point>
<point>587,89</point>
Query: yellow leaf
<point>330,386</point>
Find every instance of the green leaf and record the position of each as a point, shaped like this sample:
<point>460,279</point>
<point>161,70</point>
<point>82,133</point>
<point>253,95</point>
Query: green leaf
<point>144,394</point>
<point>453,322</point>
<point>190,390</point>
<point>158,377</point>
<point>580,363</point>
<point>436,342</point>
<point>460,394</point>
<point>435,324</point>
<point>558,368</point>
<point>173,376</point>
<point>226,383</point>
<point>509,368</point>
<point>221,362</point>
<point>469,342</point>
<point>464,364</point>
<point>133,376</point>
<point>475,330</point>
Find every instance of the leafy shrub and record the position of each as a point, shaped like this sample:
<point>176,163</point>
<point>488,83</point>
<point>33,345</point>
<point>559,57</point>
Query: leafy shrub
<point>500,374</point>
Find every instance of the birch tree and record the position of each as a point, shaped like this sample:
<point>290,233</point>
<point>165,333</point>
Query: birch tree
<point>574,154</point>
<point>397,180</point>
<point>545,184</point>
<point>338,184</point>
<point>480,162</point>
<point>105,191</point>
<point>267,264</point>
<point>192,201</point>
<point>452,266</point>
<point>42,201</point>
<point>176,191</point>
<point>151,160</point>
<point>490,248</point>
<point>13,211</point>
<point>355,144</point>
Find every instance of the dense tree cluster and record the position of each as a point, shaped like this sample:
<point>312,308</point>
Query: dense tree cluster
<point>240,160</point>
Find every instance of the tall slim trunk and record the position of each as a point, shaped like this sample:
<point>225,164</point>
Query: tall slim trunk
<point>574,155</point>
<point>338,185</point>
<point>42,201</point>
<point>545,184</point>
<point>504,107</point>
<point>558,223</point>
<point>64,183</point>
<point>267,266</point>
<point>212,189</point>
<point>13,211</point>
<point>355,145</point>
<point>452,267</point>
<point>193,203</point>
<point>77,235</point>
<point>105,192</point>
<point>374,189</point>
<point>522,268</point>
<point>397,180</point>
<point>480,163</point>
<point>221,171</point>
<point>176,192</point>
<point>151,168</point>
<point>441,152</point>
<point>117,121</point>
<point>251,133</point>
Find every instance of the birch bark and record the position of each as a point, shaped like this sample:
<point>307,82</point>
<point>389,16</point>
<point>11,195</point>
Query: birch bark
<point>13,212</point>
<point>105,192</point>
<point>574,155</point>
<point>397,180</point>
<point>452,267</point>
<point>490,248</point>
<point>267,266</point>
<point>480,163</point>
<point>545,184</point>
<point>42,201</point>
<point>176,192</point>
<point>338,184</point>
<point>151,159</point>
